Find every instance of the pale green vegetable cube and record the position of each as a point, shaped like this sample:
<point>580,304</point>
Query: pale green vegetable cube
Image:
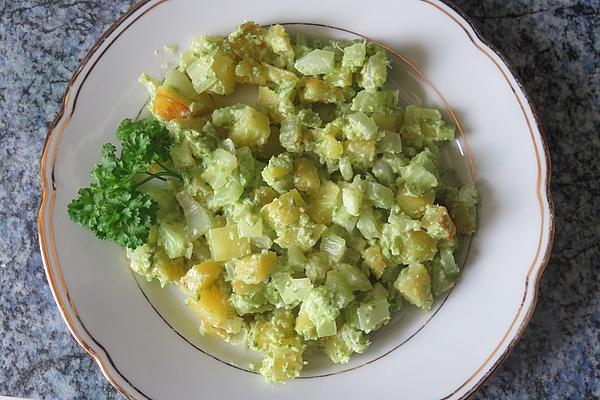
<point>340,77</point>
<point>374,311</point>
<point>391,142</point>
<point>250,225</point>
<point>374,73</point>
<point>251,303</point>
<point>346,342</point>
<point>379,195</point>
<point>219,168</point>
<point>444,271</point>
<point>174,240</point>
<point>354,56</point>
<point>321,311</point>
<point>316,62</point>
<point>279,172</point>
<point>140,260</point>
<point>346,169</point>
<point>369,225</point>
<point>354,277</point>
<point>317,266</point>
<point>360,127</point>
<point>417,179</point>
<point>291,290</point>
<point>180,82</point>
<point>181,155</point>
<point>333,245</point>
<point>344,219</point>
<point>339,287</point>
<point>361,153</point>
<point>371,100</point>
<point>352,198</point>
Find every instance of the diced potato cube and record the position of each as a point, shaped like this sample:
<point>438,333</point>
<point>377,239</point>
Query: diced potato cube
<point>438,223</point>
<point>304,326</point>
<point>215,309</point>
<point>418,247</point>
<point>264,195</point>
<point>306,176</point>
<point>168,104</point>
<point>166,269</point>
<point>283,362</point>
<point>255,268</point>
<point>250,72</point>
<point>414,206</point>
<point>205,327</point>
<point>199,277</point>
<point>279,41</point>
<point>269,101</point>
<point>285,210</point>
<point>225,243</point>
<point>374,259</point>
<point>303,236</point>
<point>251,128</point>
<point>415,286</point>
<point>241,287</point>
<point>267,333</point>
<point>323,205</point>
<point>330,147</point>
<point>279,75</point>
<point>318,91</point>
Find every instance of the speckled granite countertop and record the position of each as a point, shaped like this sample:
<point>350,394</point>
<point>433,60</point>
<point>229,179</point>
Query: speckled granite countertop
<point>554,46</point>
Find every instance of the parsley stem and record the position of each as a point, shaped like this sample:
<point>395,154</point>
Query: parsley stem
<point>167,169</point>
<point>158,175</point>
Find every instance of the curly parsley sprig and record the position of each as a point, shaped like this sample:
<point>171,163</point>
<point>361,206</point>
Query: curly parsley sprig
<point>112,207</point>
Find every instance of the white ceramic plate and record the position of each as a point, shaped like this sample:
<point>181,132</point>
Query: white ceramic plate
<point>143,340</point>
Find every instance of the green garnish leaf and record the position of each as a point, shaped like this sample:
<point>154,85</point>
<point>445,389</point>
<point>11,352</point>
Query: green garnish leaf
<point>112,207</point>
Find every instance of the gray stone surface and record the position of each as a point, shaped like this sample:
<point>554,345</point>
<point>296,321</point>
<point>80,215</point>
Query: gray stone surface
<point>554,47</point>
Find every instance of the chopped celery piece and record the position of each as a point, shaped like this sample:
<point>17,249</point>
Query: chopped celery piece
<point>374,311</point>
<point>333,245</point>
<point>360,127</point>
<point>250,127</point>
<point>354,56</point>
<point>374,73</point>
<point>321,311</point>
<point>316,62</point>
<point>346,342</point>
<point>370,100</point>
<point>174,240</point>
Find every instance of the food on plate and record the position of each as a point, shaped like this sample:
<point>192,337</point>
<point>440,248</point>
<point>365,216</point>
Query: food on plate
<point>303,218</point>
